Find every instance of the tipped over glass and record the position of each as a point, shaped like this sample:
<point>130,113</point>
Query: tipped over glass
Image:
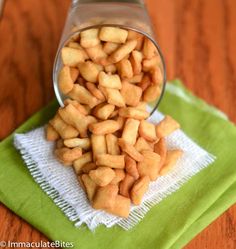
<point>87,14</point>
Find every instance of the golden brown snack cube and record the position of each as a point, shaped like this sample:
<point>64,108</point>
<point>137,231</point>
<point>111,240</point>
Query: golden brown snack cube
<point>89,38</point>
<point>114,97</point>
<point>126,185</point>
<point>62,128</point>
<point>121,207</point>
<point>104,127</point>
<point>68,155</point>
<point>125,69</point>
<point>157,77</point>
<point>98,145</point>
<point>131,167</point>
<point>88,166</point>
<point>171,159</point>
<point>109,80</point>
<point>83,143</point>
<point>73,117</point>
<point>132,112</point>
<point>149,49</point>
<point>133,35</point>
<point>102,176</point>
<point>112,161</point>
<point>65,81</point>
<point>166,127</point>
<point>71,57</point>
<point>130,150</point>
<point>82,95</point>
<point>74,73</point>
<point>104,111</point>
<point>119,176</point>
<point>139,189</point>
<point>89,185</point>
<point>145,82</point>
<point>110,47</point>
<point>89,71</point>
<point>151,93</point>
<point>147,130</point>
<point>131,93</point>
<point>122,51</point>
<point>150,165</point>
<point>136,78</point>
<point>151,64</point>
<point>96,53</point>
<point>161,149</point>
<point>79,163</point>
<point>136,61</point>
<point>81,108</point>
<point>95,91</point>
<point>112,144</point>
<point>113,34</point>
<point>130,131</point>
<point>110,68</point>
<point>142,144</point>
<point>51,133</point>
<point>105,197</point>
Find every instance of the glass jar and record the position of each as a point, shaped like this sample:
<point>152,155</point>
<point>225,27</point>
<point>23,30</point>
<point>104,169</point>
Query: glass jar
<point>85,14</point>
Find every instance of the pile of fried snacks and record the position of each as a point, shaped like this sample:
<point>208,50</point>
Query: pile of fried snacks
<point>108,77</point>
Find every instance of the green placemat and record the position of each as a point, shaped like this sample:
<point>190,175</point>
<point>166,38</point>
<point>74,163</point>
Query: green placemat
<point>170,224</point>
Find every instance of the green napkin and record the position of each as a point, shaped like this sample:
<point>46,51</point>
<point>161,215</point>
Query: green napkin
<point>170,224</point>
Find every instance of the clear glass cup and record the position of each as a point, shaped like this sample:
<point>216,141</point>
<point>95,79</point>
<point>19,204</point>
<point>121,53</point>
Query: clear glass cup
<point>86,14</point>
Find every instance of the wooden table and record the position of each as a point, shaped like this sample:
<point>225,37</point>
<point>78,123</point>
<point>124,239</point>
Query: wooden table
<point>197,37</point>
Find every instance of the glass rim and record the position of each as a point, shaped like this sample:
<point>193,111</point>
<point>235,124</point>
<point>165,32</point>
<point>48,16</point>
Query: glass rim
<point>67,39</point>
<point>76,2</point>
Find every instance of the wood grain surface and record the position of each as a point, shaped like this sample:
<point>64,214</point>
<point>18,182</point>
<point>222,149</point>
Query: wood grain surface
<point>197,37</point>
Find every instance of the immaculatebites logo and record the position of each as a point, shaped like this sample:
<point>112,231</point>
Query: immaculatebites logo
<point>42,244</point>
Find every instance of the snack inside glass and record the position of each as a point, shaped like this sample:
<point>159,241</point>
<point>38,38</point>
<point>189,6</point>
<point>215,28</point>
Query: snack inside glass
<point>86,14</point>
